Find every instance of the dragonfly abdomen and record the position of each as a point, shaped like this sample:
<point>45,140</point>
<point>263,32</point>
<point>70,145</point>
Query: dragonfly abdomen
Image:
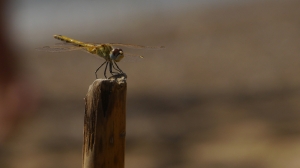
<point>68,40</point>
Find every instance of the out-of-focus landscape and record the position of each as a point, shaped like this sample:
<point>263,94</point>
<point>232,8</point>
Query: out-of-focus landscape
<point>224,93</point>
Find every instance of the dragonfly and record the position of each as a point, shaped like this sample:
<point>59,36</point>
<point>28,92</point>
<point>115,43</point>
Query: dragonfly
<point>107,51</point>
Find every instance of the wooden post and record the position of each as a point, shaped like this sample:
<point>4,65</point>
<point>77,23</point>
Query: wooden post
<point>104,123</point>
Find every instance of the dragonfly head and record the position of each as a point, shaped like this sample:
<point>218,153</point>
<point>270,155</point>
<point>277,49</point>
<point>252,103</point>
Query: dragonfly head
<point>116,54</point>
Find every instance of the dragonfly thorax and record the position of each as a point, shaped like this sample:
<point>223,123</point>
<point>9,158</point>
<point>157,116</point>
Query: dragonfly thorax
<point>116,54</point>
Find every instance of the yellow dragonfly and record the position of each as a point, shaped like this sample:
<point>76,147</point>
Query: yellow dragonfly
<point>105,50</point>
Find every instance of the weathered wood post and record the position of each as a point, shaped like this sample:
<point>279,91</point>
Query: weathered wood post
<point>105,123</point>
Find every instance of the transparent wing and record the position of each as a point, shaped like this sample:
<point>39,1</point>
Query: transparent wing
<point>133,55</point>
<point>137,46</point>
<point>60,47</point>
<point>129,57</point>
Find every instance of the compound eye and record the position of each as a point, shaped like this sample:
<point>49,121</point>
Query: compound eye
<point>117,54</point>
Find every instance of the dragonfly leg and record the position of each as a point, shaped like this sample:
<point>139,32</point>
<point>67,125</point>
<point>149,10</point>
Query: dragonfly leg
<point>111,65</point>
<point>99,68</point>
<point>118,69</point>
<point>110,69</point>
<point>105,69</point>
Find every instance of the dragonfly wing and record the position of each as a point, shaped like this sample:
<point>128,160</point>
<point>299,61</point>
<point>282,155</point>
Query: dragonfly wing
<point>64,44</point>
<point>137,46</point>
<point>132,58</point>
<point>133,55</point>
<point>59,48</point>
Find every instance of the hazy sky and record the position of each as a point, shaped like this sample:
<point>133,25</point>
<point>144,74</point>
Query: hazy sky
<point>36,18</point>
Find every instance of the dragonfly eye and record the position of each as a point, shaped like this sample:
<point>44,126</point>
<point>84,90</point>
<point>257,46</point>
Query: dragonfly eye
<point>117,54</point>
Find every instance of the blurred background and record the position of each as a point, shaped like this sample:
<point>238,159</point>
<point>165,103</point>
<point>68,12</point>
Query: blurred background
<point>225,92</point>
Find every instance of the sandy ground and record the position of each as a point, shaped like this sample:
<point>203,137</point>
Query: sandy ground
<point>224,93</point>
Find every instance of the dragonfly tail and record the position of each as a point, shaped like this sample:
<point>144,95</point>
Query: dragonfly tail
<point>68,40</point>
